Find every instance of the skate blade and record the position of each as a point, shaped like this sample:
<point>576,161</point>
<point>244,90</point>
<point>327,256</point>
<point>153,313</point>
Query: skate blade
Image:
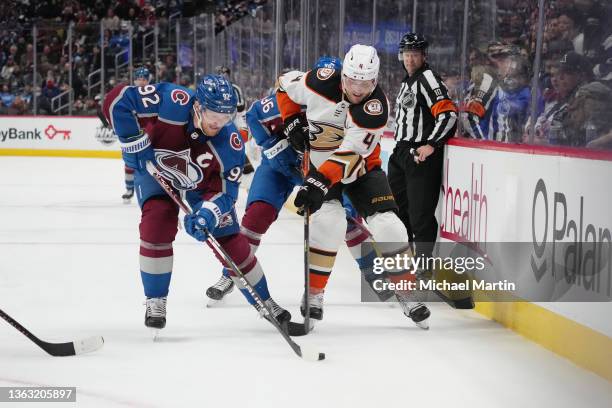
<point>212,303</point>
<point>154,334</point>
<point>127,201</point>
<point>312,324</point>
<point>423,324</point>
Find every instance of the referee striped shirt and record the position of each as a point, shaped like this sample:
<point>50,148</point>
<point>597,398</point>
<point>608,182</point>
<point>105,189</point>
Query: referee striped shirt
<point>424,112</point>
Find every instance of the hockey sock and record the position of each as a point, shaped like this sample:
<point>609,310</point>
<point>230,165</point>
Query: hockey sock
<point>400,275</point>
<point>321,264</point>
<point>362,250</point>
<point>158,226</point>
<point>129,178</point>
<point>156,268</point>
<point>258,281</point>
<point>237,247</point>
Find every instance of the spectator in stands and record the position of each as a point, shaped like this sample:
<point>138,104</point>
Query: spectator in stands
<point>18,107</point>
<point>7,96</point>
<point>8,69</point>
<point>567,75</point>
<point>512,104</point>
<point>27,95</point>
<point>588,121</point>
<point>27,58</point>
<point>603,70</point>
<point>48,92</point>
<point>569,27</point>
<point>111,21</point>
<point>485,77</point>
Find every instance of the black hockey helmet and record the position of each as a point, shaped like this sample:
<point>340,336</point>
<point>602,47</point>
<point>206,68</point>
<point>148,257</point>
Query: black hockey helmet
<point>412,42</point>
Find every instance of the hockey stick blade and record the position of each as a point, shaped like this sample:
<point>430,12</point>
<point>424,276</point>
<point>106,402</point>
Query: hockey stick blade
<point>57,349</point>
<point>310,354</point>
<point>299,329</point>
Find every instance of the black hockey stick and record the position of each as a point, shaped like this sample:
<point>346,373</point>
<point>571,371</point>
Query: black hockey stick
<point>467,303</point>
<point>57,349</point>
<point>305,353</point>
<point>305,168</point>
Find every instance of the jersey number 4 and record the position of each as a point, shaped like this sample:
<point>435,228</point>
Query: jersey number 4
<point>149,97</point>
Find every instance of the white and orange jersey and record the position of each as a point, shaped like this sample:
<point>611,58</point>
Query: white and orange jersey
<point>344,137</point>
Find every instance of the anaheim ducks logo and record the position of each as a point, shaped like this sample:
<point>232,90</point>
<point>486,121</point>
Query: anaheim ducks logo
<point>373,107</point>
<point>325,137</point>
<point>324,73</point>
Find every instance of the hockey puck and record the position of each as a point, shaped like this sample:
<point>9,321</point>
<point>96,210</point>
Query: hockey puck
<point>321,356</point>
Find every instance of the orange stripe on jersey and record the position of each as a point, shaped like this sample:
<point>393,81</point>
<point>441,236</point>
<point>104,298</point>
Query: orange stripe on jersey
<point>445,105</point>
<point>476,108</point>
<point>374,159</point>
<point>286,106</point>
<point>332,171</point>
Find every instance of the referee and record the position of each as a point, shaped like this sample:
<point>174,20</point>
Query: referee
<point>425,118</point>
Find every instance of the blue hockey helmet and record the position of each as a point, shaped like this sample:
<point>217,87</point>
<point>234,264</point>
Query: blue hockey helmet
<point>142,72</point>
<point>216,93</point>
<point>328,62</point>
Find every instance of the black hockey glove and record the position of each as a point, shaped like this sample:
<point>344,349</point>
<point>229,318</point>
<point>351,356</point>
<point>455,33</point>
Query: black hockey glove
<point>310,195</point>
<point>296,130</point>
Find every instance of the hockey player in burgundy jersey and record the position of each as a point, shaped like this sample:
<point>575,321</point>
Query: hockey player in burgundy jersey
<point>346,114</point>
<point>197,148</point>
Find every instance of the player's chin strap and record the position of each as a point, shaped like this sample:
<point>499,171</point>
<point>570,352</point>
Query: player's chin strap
<point>307,354</point>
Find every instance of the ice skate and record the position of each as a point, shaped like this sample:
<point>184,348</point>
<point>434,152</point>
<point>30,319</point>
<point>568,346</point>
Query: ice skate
<point>127,196</point>
<point>282,316</point>
<point>315,298</point>
<point>219,290</point>
<point>417,311</point>
<point>155,315</point>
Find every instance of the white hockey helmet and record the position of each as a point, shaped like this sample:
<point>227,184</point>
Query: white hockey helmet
<point>361,62</point>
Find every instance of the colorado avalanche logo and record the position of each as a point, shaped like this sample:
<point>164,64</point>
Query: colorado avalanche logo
<point>179,96</point>
<point>236,141</point>
<point>178,168</point>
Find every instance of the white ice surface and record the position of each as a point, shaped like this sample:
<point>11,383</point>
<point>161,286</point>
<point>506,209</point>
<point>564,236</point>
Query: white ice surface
<point>69,269</point>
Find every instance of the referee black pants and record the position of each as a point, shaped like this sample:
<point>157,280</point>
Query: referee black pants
<point>416,188</point>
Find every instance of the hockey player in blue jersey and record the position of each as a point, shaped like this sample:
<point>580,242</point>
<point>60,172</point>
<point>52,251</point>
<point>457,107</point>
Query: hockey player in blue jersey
<point>195,145</point>
<point>141,78</point>
<point>274,180</point>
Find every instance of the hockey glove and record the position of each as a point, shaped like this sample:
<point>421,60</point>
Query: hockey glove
<point>296,130</point>
<point>310,195</point>
<point>283,159</point>
<point>136,151</point>
<point>202,222</point>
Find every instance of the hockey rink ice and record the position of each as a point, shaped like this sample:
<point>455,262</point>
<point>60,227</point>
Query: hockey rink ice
<point>69,269</point>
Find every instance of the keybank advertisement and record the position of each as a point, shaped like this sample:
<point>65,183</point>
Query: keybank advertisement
<point>55,133</point>
<point>541,222</point>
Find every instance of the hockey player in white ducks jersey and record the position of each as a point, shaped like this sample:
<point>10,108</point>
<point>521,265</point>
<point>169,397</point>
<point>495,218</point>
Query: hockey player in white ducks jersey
<point>346,114</point>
